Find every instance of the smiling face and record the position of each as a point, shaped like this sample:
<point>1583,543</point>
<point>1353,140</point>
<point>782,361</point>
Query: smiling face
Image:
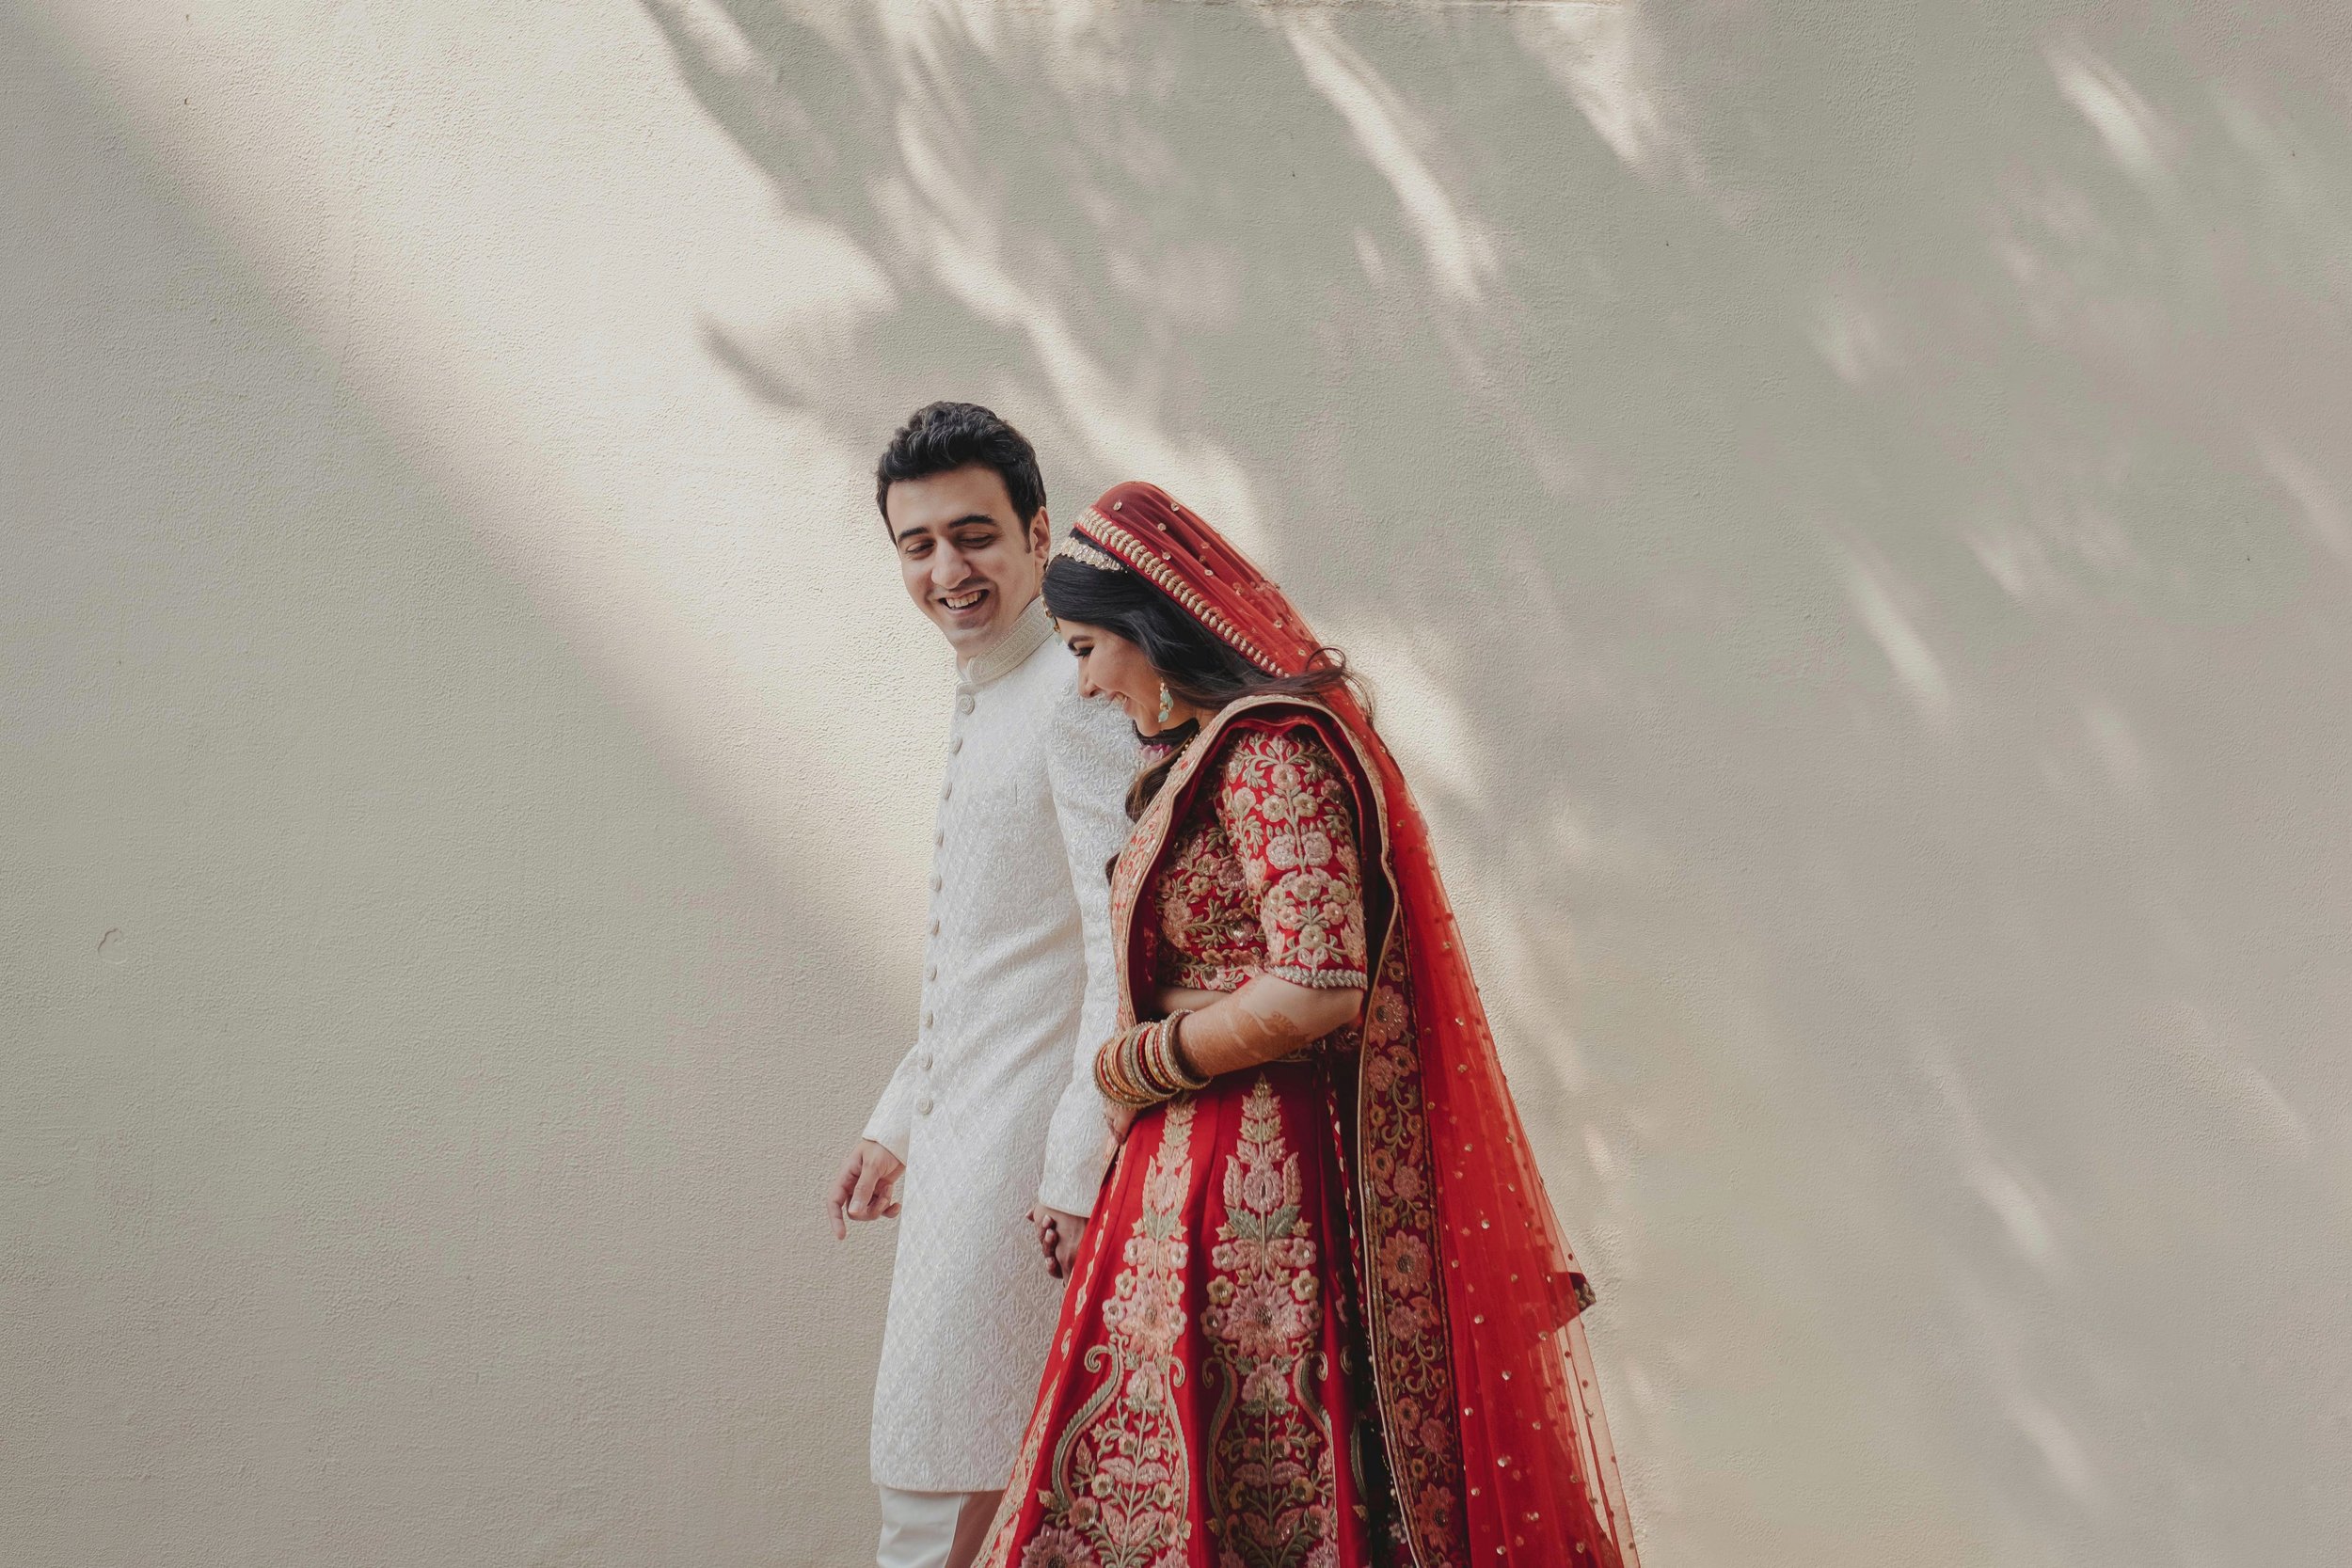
<point>967,561</point>
<point>1111,666</point>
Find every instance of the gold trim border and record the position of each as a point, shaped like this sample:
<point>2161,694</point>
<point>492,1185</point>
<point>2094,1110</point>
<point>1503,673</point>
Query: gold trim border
<point>1152,565</point>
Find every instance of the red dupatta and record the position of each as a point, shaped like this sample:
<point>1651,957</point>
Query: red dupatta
<point>1490,1414</point>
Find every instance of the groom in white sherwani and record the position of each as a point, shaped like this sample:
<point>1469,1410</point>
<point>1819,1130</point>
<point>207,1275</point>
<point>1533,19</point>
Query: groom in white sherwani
<point>990,1138</point>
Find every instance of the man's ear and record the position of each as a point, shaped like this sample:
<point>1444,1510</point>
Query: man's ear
<point>1041,535</point>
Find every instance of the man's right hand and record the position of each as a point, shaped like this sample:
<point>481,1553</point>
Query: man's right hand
<point>863,1191</point>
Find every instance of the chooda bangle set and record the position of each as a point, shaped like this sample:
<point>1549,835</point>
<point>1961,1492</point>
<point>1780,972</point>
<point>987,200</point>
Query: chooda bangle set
<point>1145,1064</point>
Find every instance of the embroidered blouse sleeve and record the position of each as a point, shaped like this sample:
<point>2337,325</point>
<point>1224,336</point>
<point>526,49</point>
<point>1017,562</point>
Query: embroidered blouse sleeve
<point>1285,809</point>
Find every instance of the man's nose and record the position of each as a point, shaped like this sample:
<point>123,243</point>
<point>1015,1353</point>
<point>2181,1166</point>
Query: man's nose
<point>948,567</point>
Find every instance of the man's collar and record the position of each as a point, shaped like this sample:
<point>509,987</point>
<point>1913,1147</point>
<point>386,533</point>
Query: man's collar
<point>1028,632</point>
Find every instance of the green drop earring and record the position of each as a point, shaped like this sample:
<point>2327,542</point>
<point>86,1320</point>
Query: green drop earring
<point>1167,705</point>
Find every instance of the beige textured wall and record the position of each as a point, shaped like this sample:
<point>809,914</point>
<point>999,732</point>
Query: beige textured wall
<point>1848,507</point>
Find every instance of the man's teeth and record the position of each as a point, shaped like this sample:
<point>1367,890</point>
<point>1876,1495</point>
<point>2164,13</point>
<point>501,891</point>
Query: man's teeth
<point>963,601</point>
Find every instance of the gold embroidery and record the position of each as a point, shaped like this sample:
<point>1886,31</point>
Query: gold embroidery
<point>1286,809</point>
<point>1412,1361</point>
<point>1407,1318</point>
<point>1273,1491</point>
<point>1267,882</point>
<point>1120,1475</point>
<point>1134,552</point>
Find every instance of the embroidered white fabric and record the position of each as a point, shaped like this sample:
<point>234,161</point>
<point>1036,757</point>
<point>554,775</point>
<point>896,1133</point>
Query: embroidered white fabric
<point>995,1106</point>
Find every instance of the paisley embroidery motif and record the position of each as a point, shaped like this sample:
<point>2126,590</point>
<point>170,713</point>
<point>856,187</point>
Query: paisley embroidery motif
<point>1120,1475</point>
<point>1271,1483</point>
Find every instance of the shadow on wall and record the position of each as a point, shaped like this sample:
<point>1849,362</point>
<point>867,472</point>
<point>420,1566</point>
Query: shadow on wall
<point>409,1100</point>
<point>1846,509</point>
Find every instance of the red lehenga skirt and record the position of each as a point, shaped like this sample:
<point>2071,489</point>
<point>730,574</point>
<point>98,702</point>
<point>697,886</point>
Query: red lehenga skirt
<point>1207,1401</point>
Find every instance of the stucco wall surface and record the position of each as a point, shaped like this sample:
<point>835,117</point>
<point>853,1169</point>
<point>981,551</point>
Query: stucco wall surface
<point>1848,510</point>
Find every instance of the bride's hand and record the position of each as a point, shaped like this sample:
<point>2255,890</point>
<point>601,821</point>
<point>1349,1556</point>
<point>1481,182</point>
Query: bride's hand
<point>1188,999</point>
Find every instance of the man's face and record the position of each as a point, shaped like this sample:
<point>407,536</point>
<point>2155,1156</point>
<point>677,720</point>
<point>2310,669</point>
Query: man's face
<point>966,558</point>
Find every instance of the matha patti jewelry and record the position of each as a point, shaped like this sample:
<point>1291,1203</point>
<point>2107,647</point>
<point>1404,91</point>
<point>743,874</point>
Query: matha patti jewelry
<point>1077,550</point>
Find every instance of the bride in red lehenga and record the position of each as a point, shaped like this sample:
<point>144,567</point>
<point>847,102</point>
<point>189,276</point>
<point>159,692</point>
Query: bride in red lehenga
<point>1322,1316</point>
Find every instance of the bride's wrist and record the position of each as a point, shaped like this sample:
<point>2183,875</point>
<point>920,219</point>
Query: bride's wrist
<point>1181,1058</point>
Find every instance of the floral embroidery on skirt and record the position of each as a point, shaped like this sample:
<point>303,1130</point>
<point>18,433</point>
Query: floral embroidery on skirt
<point>1271,1443</point>
<point>1205,1376</point>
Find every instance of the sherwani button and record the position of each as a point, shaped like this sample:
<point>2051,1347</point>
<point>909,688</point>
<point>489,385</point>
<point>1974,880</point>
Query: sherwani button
<point>934,882</point>
<point>964,702</point>
<point>1048,776</point>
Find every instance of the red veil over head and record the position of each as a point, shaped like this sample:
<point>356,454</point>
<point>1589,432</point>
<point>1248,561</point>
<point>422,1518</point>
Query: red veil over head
<point>1490,1414</point>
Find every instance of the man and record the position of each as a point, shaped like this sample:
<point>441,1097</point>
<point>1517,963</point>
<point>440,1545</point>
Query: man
<point>993,1119</point>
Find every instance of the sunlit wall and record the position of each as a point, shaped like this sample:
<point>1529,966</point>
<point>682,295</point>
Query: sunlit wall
<point>1848,510</point>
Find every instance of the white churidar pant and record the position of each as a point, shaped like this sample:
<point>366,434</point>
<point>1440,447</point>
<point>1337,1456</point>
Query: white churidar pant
<point>918,1528</point>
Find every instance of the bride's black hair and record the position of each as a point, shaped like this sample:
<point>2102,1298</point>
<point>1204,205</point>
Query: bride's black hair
<point>1198,666</point>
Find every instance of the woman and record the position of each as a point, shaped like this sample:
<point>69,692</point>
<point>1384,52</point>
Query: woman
<point>1323,1317</point>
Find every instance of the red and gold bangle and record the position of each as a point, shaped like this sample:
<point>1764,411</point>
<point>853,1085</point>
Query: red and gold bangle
<point>1136,1062</point>
<point>1147,1063</point>
<point>1164,1059</point>
<point>1118,1073</point>
<point>1144,1065</point>
<point>1106,1080</point>
<point>1107,1076</point>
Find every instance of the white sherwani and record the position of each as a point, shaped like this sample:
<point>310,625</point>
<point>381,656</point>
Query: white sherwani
<point>995,1106</point>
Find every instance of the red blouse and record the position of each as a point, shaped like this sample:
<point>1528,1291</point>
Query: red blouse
<point>1264,878</point>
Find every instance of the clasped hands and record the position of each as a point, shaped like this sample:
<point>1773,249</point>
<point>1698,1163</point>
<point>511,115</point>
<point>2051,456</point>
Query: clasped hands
<point>1266,1019</point>
<point>1059,1231</point>
<point>867,1189</point>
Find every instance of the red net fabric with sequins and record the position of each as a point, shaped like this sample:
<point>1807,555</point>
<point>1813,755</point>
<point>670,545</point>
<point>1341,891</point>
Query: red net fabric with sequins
<point>1485,1388</point>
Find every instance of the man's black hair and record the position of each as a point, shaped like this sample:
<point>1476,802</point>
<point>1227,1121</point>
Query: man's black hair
<point>940,438</point>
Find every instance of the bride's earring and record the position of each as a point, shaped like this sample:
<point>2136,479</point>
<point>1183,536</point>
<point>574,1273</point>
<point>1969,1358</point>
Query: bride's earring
<point>1167,705</point>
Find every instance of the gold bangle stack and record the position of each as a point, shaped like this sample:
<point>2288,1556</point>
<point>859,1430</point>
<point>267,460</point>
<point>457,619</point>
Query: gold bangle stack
<point>1114,1071</point>
<point>1163,1059</point>
<point>1146,1065</point>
